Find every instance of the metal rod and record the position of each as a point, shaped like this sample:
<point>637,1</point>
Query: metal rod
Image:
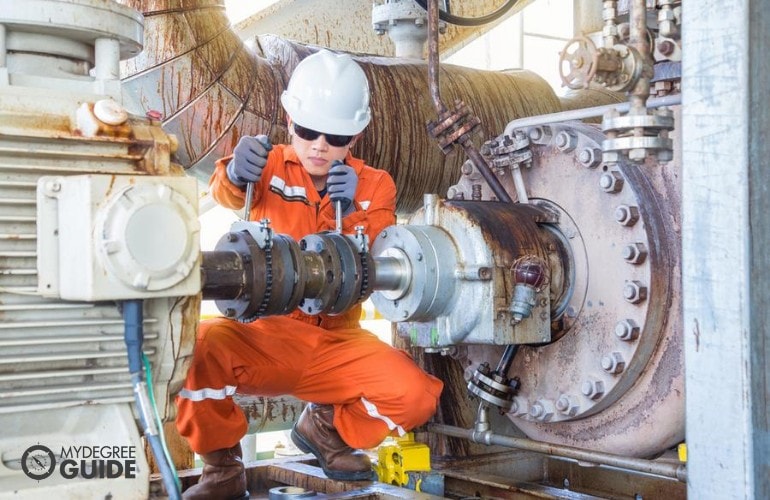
<point>433,59</point>
<point>338,215</point>
<point>581,114</point>
<point>470,150</point>
<point>505,362</point>
<point>675,471</point>
<point>249,199</point>
<point>518,183</point>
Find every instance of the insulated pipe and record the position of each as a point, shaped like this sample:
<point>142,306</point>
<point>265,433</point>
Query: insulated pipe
<point>210,89</point>
<point>675,471</point>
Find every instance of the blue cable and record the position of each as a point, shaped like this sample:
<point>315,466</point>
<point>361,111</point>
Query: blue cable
<point>133,318</point>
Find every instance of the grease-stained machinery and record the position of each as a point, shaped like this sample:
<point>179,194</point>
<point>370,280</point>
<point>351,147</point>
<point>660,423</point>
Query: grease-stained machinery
<point>539,273</point>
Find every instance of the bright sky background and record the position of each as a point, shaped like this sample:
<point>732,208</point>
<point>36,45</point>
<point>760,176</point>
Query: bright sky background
<point>237,10</point>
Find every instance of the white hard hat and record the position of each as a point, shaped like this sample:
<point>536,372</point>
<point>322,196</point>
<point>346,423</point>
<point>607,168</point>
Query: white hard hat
<point>328,93</point>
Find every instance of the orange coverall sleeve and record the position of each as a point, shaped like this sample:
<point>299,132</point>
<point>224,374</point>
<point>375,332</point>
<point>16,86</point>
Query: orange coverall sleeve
<point>225,192</point>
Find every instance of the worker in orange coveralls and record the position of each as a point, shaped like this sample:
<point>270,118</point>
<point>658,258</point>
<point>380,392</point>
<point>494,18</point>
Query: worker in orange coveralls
<point>360,389</point>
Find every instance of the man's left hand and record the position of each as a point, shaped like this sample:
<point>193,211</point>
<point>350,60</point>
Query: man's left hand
<point>341,184</point>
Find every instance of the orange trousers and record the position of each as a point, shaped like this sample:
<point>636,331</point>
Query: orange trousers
<point>376,390</point>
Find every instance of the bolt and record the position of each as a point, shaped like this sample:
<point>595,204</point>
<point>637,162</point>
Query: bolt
<point>611,182</point>
<point>568,405</point>
<point>535,133</point>
<point>593,389</point>
<point>232,237</point>
<point>542,410</point>
<point>635,253</point>
<point>565,141</point>
<point>230,312</point>
<point>627,329</point>
<point>666,47</point>
<point>589,157</point>
<point>634,292</point>
<point>613,363</point>
<point>626,215</point>
<point>467,168</point>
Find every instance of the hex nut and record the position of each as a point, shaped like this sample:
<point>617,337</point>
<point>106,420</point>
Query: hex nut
<point>611,182</point>
<point>613,363</point>
<point>565,141</point>
<point>593,389</point>
<point>590,157</point>
<point>611,157</point>
<point>635,253</point>
<point>626,215</point>
<point>627,330</point>
<point>634,292</point>
<point>637,154</point>
<point>664,155</point>
<point>542,410</point>
<point>568,405</point>
<point>666,15</point>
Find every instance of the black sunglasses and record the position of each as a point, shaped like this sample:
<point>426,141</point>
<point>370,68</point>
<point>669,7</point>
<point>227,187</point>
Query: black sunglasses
<point>308,134</point>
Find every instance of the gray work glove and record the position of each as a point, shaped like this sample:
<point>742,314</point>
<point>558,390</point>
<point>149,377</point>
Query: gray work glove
<point>341,185</point>
<point>249,158</point>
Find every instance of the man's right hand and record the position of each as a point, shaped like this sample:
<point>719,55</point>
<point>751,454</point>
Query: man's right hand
<point>249,158</point>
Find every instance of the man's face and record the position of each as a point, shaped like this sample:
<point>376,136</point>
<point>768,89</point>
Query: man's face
<point>317,155</point>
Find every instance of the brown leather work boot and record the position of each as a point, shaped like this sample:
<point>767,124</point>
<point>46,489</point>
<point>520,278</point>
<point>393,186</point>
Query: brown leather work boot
<point>314,433</point>
<point>223,477</point>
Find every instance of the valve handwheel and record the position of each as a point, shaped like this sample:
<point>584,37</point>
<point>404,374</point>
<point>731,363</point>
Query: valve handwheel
<point>582,59</point>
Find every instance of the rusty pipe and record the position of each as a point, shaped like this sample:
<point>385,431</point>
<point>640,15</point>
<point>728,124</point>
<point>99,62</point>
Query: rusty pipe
<point>464,140</point>
<point>433,58</point>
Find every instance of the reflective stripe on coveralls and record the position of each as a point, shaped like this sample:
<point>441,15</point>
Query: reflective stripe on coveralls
<point>371,409</point>
<point>207,393</point>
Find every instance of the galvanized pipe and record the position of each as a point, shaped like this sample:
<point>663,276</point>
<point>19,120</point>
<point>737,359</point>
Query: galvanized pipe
<point>582,114</point>
<point>675,471</point>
